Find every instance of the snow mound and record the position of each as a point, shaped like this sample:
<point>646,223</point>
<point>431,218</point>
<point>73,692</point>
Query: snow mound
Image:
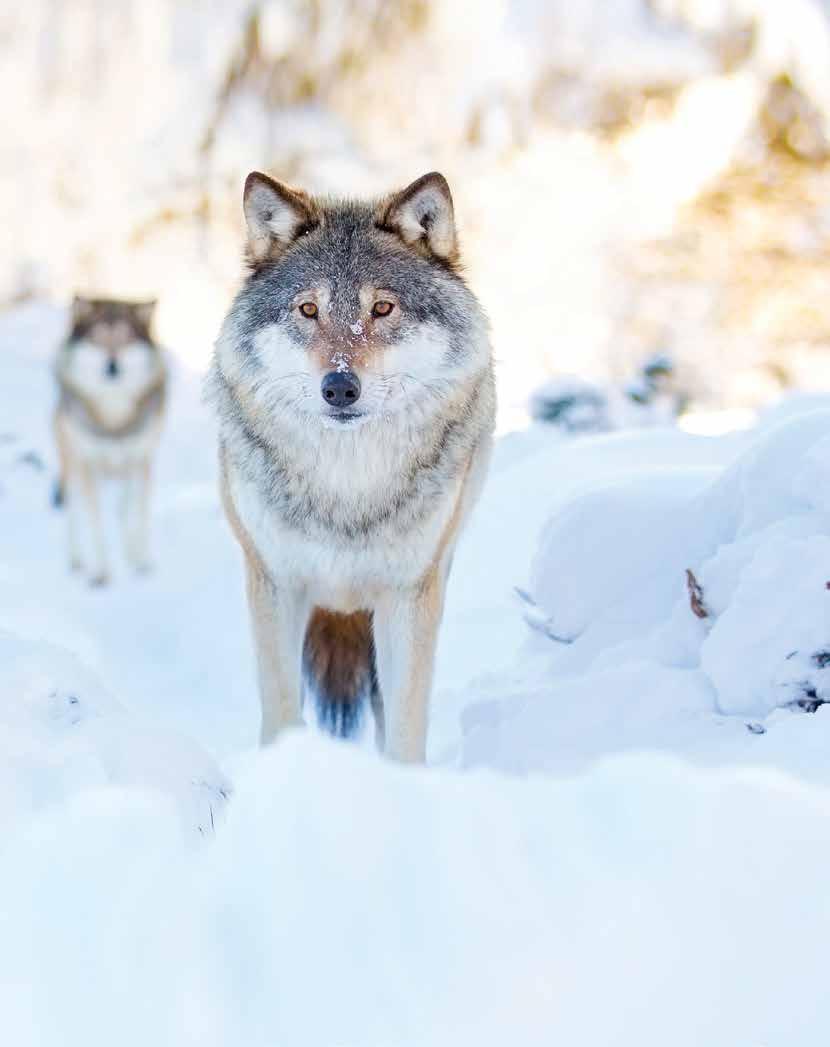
<point>612,565</point>
<point>676,608</point>
<point>347,901</point>
<point>768,586</point>
<point>61,732</point>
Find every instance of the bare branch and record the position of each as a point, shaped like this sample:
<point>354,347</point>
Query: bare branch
<point>696,602</point>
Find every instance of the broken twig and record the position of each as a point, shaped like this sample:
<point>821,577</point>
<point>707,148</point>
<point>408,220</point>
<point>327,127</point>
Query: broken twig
<point>699,608</point>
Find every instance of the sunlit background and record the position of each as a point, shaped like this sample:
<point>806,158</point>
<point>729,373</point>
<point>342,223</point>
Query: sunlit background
<point>632,177</point>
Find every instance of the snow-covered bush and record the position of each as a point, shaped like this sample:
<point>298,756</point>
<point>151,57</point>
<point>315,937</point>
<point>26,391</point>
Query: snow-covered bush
<point>576,405</point>
<point>572,404</point>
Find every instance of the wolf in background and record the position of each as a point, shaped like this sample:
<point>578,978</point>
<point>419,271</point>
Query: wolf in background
<point>354,384</point>
<point>111,379</point>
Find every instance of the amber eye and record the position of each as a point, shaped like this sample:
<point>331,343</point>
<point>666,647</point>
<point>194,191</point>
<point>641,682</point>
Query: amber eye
<point>309,310</point>
<point>382,308</point>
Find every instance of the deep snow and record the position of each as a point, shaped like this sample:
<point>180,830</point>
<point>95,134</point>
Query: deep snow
<point>624,841</point>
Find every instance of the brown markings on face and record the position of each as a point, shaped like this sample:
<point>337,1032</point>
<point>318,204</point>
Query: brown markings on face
<point>111,336</point>
<point>348,343</point>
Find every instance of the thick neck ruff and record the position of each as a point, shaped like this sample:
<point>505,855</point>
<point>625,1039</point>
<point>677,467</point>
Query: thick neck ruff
<point>355,482</point>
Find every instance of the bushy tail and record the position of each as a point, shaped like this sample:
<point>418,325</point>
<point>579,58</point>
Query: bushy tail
<point>339,665</point>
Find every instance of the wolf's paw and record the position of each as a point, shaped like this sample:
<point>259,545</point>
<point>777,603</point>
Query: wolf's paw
<point>140,561</point>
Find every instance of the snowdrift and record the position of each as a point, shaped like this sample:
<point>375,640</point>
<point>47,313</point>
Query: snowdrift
<point>346,901</point>
<point>62,733</point>
<point>630,658</point>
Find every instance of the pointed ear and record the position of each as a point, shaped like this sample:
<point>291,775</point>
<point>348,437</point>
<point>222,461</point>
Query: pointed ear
<point>143,312</point>
<point>82,310</point>
<point>275,214</point>
<point>422,214</point>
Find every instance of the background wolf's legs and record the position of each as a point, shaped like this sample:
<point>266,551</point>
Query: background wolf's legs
<point>279,621</point>
<point>72,501</point>
<point>84,493</point>
<point>137,515</point>
<point>68,495</point>
<point>406,630</point>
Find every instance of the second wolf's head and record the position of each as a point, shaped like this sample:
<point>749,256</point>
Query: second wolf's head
<point>110,341</point>
<point>353,311</point>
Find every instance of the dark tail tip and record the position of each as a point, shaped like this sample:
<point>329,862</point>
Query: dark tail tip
<point>58,495</point>
<point>339,719</point>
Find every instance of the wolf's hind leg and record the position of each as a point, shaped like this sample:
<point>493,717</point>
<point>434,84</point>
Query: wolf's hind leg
<point>406,631</point>
<point>279,620</point>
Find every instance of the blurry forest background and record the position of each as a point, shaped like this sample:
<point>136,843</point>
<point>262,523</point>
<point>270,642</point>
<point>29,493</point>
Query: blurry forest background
<point>631,176</point>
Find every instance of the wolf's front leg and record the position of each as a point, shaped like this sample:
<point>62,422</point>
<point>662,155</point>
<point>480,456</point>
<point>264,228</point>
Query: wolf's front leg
<point>67,494</point>
<point>405,633</point>
<point>279,619</point>
<point>87,488</point>
<point>137,515</point>
<point>72,500</point>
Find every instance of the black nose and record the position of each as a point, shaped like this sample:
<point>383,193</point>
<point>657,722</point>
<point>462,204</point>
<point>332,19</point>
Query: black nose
<point>112,368</point>
<point>340,388</point>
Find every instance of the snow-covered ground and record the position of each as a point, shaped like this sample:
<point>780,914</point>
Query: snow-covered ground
<point>625,833</point>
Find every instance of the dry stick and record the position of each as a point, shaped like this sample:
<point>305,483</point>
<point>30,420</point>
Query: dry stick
<point>699,608</point>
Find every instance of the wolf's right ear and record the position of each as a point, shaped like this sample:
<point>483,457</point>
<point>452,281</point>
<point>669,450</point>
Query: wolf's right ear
<point>275,215</point>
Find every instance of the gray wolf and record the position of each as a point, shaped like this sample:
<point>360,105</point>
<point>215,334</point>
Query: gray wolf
<point>111,378</point>
<point>354,385</point>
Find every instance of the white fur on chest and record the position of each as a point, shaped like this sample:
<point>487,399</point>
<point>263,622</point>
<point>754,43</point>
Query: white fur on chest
<point>115,397</point>
<point>112,453</point>
<point>337,573</point>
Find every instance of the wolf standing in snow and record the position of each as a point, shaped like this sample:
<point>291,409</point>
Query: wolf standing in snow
<point>111,379</point>
<point>354,384</point>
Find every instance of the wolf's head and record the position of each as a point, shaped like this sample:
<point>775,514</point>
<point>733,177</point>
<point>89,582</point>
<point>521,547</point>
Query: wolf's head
<point>110,339</point>
<point>109,358</point>
<point>352,310</point>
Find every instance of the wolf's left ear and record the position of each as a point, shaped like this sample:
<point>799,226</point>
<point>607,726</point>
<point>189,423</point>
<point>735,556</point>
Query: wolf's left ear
<point>143,311</point>
<point>275,215</point>
<point>423,214</point>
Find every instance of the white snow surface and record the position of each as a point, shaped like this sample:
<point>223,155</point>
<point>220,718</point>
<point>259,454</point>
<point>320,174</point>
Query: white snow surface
<point>624,832</point>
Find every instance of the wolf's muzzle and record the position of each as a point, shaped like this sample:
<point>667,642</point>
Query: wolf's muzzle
<point>112,369</point>
<point>340,388</point>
